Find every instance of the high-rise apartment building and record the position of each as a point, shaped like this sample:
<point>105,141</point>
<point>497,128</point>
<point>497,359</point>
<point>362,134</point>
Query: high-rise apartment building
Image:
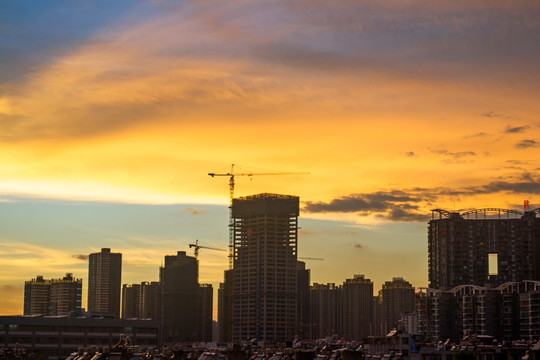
<point>149,306</point>
<point>357,308</point>
<point>206,308</point>
<point>398,299</point>
<point>66,295</point>
<point>104,282</point>
<point>304,307</point>
<point>37,296</point>
<point>475,247</point>
<point>52,297</point>
<point>140,301</point>
<point>264,291</point>
<point>326,306</point>
<point>180,298</point>
<point>225,308</point>
<point>131,301</point>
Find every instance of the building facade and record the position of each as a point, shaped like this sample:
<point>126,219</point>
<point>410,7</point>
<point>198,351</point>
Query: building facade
<point>180,298</point>
<point>357,311</point>
<point>303,329</point>
<point>326,306</point>
<point>508,312</point>
<point>398,299</point>
<point>104,282</point>
<point>206,308</point>
<point>477,247</point>
<point>264,290</point>
<point>52,297</point>
<point>55,338</point>
<point>131,301</point>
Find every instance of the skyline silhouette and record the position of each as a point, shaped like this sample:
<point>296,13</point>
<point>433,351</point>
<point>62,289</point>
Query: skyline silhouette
<point>112,116</point>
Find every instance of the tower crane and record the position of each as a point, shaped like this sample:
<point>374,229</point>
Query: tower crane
<point>231,176</point>
<point>197,247</point>
<point>309,258</point>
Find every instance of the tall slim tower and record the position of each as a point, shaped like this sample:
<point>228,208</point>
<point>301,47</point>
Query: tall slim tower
<point>397,300</point>
<point>104,282</point>
<point>264,291</point>
<point>357,295</point>
<point>180,298</point>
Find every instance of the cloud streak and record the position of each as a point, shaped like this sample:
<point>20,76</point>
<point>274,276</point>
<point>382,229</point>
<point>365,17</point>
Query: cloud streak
<point>526,143</point>
<point>413,204</point>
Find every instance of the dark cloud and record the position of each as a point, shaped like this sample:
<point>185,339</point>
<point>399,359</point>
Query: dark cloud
<point>455,155</point>
<point>80,257</point>
<point>476,135</point>
<point>526,143</point>
<point>405,215</point>
<point>492,114</point>
<point>374,202</point>
<point>410,153</point>
<point>358,246</point>
<point>193,211</point>
<point>515,130</point>
<point>406,205</point>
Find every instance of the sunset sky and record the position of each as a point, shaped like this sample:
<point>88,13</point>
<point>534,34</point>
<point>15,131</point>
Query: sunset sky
<point>112,114</point>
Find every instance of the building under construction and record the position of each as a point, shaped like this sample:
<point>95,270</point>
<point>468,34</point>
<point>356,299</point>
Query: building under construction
<point>264,274</point>
<point>484,246</point>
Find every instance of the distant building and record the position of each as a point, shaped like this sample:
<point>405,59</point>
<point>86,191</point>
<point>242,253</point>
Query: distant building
<point>206,309</point>
<point>225,308</point>
<point>149,307</point>
<point>55,338</point>
<point>357,295</point>
<point>508,312</point>
<point>398,299</point>
<point>303,308</point>
<point>52,297</point>
<point>180,296</point>
<point>326,307</point>
<point>140,301</point>
<point>104,282</point>
<point>476,248</point>
<point>264,291</point>
<point>37,296</point>
<point>131,301</point>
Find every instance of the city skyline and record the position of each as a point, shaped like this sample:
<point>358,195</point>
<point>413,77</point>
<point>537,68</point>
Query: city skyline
<point>111,117</point>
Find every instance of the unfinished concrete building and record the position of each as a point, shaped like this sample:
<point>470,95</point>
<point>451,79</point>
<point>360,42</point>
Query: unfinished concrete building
<point>264,291</point>
<point>482,246</point>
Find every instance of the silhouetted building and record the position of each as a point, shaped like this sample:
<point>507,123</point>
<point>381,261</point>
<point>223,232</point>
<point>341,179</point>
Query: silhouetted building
<point>57,337</point>
<point>180,298</point>
<point>131,300</point>
<point>303,307</point>
<point>326,308</point>
<point>52,297</point>
<point>398,299</point>
<point>37,296</point>
<point>104,282</point>
<point>357,308</point>
<point>264,291</point>
<point>508,312</point>
<point>225,308</point>
<point>206,309</point>
<point>149,307</point>
<point>140,301</point>
<point>473,248</point>
<point>377,329</point>
<point>66,295</point>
